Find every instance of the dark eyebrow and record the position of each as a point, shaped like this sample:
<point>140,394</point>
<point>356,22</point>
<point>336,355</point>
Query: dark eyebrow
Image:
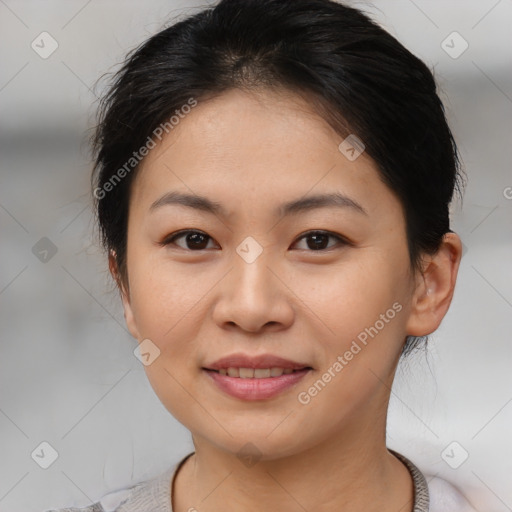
<point>293,207</point>
<point>190,200</point>
<point>320,201</point>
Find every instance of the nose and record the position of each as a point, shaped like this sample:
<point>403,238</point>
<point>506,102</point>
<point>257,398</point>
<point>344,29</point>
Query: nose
<point>254,296</point>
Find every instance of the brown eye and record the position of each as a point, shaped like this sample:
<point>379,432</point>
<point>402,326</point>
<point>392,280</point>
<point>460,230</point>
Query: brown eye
<point>198,241</point>
<point>194,240</point>
<point>318,240</point>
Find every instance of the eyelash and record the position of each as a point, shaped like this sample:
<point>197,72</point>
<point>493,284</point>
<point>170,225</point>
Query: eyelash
<point>171,238</point>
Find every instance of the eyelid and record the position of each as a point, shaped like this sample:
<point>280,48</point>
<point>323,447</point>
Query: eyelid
<point>342,241</point>
<point>172,236</point>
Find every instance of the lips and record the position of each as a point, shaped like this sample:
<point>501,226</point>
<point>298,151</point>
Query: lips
<point>255,378</point>
<point>264,361</point>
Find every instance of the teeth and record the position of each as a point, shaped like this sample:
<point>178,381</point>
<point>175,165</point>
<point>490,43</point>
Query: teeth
<point>246,373</point>
<point>276,372</point>
<point>258,373</point>
<point>233,372</point>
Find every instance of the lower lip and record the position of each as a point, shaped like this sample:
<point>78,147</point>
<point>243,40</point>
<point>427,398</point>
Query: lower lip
<point>256,389</point>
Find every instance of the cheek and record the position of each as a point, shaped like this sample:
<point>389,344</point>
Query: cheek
<point>364,307</point>
<point>163,302</point>
<point>363,313</point>
<point>352,296</point>
<point>165,305</point>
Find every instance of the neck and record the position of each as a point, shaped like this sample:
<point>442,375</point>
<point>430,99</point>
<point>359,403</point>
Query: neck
<point>346,473</point>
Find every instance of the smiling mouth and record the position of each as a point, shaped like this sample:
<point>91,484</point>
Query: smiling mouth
<point>256,373</point>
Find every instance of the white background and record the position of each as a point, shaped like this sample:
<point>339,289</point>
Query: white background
<point>68,375</point>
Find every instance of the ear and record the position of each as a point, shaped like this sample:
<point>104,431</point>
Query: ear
<point>125,294</point>
<point>435,287</point>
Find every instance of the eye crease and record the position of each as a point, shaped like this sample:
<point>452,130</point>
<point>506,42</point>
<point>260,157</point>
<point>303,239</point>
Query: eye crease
<point>193,236</point>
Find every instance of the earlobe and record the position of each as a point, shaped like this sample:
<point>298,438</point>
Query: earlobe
<point>125,295</point>
<point>435,287</point>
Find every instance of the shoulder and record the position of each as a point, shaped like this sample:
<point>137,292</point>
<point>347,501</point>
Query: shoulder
<point>445,497</point>
<point>150,495</point>
<point>109,503</point>
<point>95,507</point>
<point>434,494</point>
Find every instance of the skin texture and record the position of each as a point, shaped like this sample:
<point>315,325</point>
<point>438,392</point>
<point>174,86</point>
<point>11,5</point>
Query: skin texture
<point>251,152</point>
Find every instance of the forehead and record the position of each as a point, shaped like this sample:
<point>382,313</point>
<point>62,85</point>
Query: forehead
<point>264,145</point>
<point>258,124</point>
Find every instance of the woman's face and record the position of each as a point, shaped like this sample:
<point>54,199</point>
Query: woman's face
<point>251,282</point>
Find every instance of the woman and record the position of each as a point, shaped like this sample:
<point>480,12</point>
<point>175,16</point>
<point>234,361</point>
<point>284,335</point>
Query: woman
<point>230,145</point>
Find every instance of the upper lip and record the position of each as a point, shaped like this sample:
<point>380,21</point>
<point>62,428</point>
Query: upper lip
<point>261,361</point>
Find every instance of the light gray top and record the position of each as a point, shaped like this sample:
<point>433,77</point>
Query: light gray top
<point>154,495</point>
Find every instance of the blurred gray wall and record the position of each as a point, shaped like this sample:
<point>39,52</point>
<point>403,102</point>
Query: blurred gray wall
<point>68,376</point>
